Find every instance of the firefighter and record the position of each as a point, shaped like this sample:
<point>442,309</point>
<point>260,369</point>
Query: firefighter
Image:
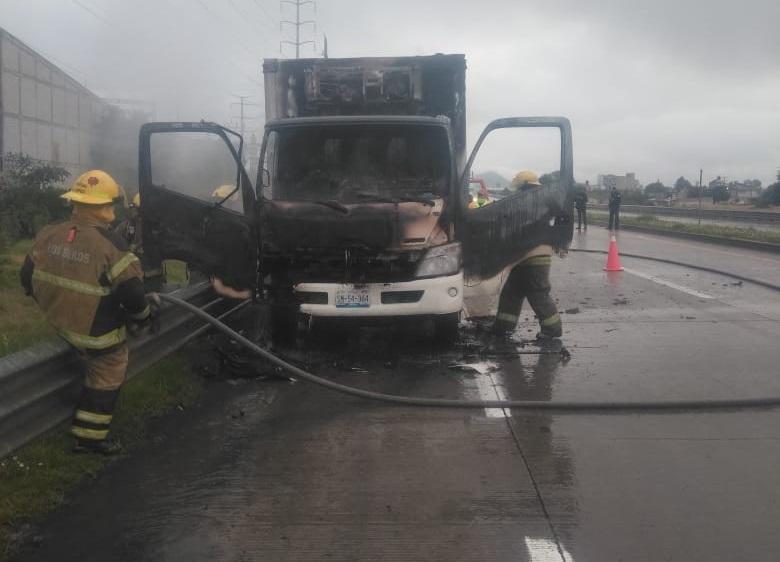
<point>222,191</point>
<point>581,204</point>
<point>529,279</point>
<point>614,208</point>
<point>131,231</point>
<point>219,194</point>
<point>482,196</point>
<point>89,286</point>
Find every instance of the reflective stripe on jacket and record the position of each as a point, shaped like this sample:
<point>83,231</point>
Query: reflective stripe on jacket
<point>86,282</point>
<point>540,250</point>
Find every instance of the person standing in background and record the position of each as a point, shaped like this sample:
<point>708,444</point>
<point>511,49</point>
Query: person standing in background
<point>614,209</point>
<point>581,204</point>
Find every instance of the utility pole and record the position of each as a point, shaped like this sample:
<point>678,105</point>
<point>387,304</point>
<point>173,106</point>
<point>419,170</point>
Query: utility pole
<point>251,149</point>
<point>241,103</point>
<point>242,116</point>
<point>297,23</point>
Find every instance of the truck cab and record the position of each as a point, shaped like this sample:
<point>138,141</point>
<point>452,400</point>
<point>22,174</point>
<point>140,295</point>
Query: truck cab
<point>359,208</point>
<point>357,216</point>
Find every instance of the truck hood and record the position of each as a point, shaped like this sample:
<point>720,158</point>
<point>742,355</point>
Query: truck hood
<point>291,226</point>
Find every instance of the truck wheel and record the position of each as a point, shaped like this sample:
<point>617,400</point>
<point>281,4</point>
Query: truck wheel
<point>284,323</point>
<point>445,327</point>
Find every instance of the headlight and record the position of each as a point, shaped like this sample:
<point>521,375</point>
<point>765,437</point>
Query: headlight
<point>441,260</point>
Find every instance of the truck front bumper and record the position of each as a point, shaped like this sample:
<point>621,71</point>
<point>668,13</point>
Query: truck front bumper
<point>434,296</point>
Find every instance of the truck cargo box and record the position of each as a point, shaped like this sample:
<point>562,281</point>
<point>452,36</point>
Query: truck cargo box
<point>430,85</point>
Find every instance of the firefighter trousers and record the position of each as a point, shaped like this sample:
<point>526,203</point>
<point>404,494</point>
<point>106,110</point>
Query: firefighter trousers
<point>530,279</point>
<point>105,374</point>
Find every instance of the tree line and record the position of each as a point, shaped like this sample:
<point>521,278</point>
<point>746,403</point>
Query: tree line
<point>718,190</point>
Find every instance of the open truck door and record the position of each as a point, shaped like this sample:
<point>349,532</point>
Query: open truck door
<point>197,202</point>
<point>497,235</point>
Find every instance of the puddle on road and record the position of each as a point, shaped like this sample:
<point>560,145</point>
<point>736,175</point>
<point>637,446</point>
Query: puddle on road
<point>407,359</point>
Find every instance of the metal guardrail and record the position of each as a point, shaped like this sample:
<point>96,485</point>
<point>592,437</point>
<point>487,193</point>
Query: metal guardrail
<point>39,386</point>
<point>705,214</point>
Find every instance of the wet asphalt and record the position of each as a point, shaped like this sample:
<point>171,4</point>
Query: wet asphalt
<point>272,469</point>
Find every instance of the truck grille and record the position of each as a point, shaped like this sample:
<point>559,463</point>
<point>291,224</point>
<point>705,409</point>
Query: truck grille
<point>312,297</point>
<point>401,297</point>
<point>348,267</point>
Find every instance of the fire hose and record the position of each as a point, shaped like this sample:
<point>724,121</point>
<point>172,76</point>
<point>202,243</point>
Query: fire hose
<point>559,405</point>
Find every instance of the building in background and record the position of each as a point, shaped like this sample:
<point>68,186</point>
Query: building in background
<point>744,192</point>
<point>623,183</point>
<point>44,112</point>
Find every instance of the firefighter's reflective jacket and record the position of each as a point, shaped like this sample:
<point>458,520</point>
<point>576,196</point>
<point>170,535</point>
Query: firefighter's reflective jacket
<point>87,283</point>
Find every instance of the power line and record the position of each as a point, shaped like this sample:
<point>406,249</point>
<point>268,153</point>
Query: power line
<point>94,14</point>
<point>248,19</point>
<point>266,12</point>
<point>170,43</point>
<point>298,23</point>
<point>222,61</point>
<point>248,50</point>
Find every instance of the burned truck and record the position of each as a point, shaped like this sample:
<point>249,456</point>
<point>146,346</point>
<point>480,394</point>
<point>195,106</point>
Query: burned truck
<point>359,207</point>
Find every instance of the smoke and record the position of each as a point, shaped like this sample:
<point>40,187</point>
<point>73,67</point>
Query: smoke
<point>659,88</point>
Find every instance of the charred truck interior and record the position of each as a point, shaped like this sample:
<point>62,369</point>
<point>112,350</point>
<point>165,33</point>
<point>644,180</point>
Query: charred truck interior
<point>359,209</point>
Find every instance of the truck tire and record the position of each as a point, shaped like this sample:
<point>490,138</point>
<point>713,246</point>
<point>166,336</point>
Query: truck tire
<point>445,327</point>
<point>284,323</point>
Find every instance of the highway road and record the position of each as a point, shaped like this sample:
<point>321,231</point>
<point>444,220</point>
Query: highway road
<point>272,469</point>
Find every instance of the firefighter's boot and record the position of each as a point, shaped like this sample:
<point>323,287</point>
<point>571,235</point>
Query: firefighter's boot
<point>107,447</point>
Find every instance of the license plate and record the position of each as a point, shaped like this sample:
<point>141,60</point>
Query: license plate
<point>352,298</point>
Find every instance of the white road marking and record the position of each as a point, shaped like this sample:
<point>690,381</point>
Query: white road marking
<point>487,388</point>
<point>498,392</point>
<point>545,550</point>
<point>669,284</point>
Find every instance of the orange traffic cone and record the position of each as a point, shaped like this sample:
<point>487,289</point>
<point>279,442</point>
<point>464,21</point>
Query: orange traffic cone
<point>613,258</point>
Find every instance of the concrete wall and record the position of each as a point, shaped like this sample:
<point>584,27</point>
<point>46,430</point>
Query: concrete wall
<point>44,112</point>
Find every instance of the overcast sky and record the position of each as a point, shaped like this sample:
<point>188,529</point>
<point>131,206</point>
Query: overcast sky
<point>658,87</point>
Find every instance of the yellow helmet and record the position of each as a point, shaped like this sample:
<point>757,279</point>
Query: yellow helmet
<point>525,177</point>
<point>95,187</point>
<point>136,202</point>
<point>223,191</point>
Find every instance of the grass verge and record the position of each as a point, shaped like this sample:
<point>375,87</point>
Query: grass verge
<point>38,478</point>
<point>21,322</point>
<point>649,221</point>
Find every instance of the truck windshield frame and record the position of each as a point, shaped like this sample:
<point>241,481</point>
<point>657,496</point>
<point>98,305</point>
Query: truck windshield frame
<point>358,162</point>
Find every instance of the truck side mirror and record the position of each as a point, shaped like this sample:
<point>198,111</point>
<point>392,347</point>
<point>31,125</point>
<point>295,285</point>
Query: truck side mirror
<point>265,177</point>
